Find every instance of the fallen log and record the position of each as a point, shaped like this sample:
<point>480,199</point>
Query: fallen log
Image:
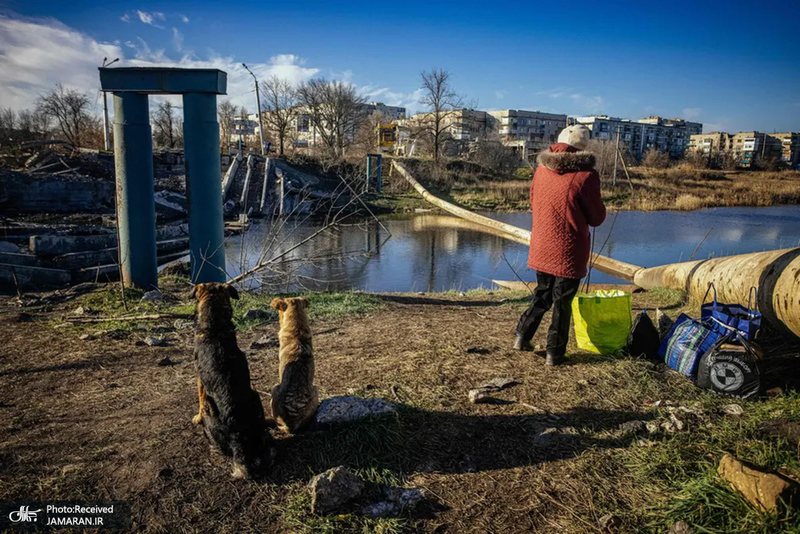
<point>145,317</point>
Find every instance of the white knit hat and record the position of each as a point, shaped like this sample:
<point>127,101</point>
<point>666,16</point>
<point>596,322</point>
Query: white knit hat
<point>576,135</point>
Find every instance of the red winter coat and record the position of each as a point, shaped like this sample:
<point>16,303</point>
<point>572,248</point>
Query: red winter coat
<point>565,202</point>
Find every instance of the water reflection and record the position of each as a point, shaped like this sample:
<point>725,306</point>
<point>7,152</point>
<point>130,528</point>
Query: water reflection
<point>439,252</point>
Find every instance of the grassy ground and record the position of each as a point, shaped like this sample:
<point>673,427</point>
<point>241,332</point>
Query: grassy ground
<point>100,418</point>
<point>677,188</point>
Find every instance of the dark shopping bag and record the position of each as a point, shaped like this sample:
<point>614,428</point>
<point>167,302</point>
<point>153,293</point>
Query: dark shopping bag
<point>746,320</point>
<point>643,340</point>
<point>687,342</point>
<point>731,367</point>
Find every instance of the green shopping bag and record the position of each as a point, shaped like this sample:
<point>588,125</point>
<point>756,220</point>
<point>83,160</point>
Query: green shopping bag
<point>602,320</point>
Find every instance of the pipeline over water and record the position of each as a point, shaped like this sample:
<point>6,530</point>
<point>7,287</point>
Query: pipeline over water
<point>775,273</point>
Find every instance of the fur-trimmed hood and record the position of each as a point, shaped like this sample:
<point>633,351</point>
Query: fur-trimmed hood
<point>563,162</point>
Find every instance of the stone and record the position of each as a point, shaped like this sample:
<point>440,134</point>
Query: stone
<point>763,490</point>
<point>608,522</point>
<point>681,527</point>
<point>395,500</point>
<point>259,315</point>
<point>152,341</point>
<point>479,396</point>
<point>264,342</point>
<point>348,408</point>
<point>333,489</point>
<point>86,337</point>
<point>733,409</point>
<point>663,323</point>
<point>152,295</point>
<point>80,310</point>
<point>6,246</point>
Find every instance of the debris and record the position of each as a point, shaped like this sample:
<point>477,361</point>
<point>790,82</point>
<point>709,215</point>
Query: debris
<point>114,333</point>
<point>334,488</point>
<point>395,500</point>
<point>646,443</point>
<point>632,427</point>
<point>152,341</point>
<point>81,288</point>
<point>264,342</point>
<point>166,362</point>
<point>774,392</point>
<point>80,310</point>
<point>5,246</point>
<point>112,385</point>
<point>681,527</point>
<point>178,268</point>
<point>652,427</point>
<point>345,409</point>
<point>182,325</point>
<point>477,350</point>
<point>733,409</point>
<point>545,437</point>
<point>498,384</point>
<point>479,396</point>
<point>763,490</point>
<point>257,314</point>
<point>584,383</point>
<point>86,337</point>
<point>608,522</point>
<point>152,295</point>
<point>675,424</point>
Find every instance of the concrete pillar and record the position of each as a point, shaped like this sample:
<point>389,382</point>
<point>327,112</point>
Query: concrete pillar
<point>136,213</point>
<point>369,173</point>
<point>203,174</point>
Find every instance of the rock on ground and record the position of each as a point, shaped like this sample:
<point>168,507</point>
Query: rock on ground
<point>344,409</point>
<point>333,489</point>
<point>479,396</point>
<point>152,295</point>
<point>264,342</point>
<point>763,490</point>
<point>152,341</point>
<point>394,502</point>
<point>681,527</point>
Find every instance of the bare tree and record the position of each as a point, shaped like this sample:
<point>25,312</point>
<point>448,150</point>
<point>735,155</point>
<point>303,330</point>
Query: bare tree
<point>442,103</point>
<point>655,159</point>
<point>335,109</point>
<point>8,120</point>
<point>70,109</point>
<point>226,113</point>
<point>280,103</point>
<point>166,130</point>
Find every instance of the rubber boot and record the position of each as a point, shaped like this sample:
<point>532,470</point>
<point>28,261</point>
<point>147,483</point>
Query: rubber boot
<point>522,344</point>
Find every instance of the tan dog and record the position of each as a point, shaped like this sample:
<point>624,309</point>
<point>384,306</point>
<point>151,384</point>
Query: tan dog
<point>295,399</point>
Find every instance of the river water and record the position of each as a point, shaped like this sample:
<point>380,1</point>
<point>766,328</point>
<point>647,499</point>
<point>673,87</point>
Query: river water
<point>426,252</point>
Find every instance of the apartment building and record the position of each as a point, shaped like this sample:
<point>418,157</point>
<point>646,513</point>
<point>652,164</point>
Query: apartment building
<point>667,135</point>
<point>749,146</point>
<point>526,131</point>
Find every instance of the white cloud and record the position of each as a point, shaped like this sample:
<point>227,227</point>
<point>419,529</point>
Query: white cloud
<point>501,94</point>
<point>177,39</point>
<point>410,101</point>
<point>184,18</point>
<point>558,92</point>
<point>125,18</point>
<point>150,18</point>
<point>589,104</point>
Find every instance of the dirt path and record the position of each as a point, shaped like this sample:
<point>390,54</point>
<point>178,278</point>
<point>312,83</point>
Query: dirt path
<point>106,419</point>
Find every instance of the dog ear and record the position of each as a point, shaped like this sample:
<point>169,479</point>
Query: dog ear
<point>303,303</point>
<point>278,304</point>
<point>193,292</point>
<point>232,292</point>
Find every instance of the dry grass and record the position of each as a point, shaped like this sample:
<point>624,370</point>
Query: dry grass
<point>676,188</point>
<point>100,419</point>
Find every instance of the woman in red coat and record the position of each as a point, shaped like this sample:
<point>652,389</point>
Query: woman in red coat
<point>565,202</point>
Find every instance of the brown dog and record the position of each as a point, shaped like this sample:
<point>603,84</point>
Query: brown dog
<point>230,410</point>
<point>295,399</point>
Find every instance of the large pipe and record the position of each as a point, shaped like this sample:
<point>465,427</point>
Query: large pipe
<point>206,228</point>
<point>775,273</point>
<point>136,212</point>
<point>601,263</point>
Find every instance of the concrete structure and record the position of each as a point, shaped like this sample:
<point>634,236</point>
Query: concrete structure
<point>790,147</point>
<point>710,143</point>
<point>133,153</point>
<point>667,135</point>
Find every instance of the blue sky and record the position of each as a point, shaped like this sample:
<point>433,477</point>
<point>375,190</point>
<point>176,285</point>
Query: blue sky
<point>731,65</point>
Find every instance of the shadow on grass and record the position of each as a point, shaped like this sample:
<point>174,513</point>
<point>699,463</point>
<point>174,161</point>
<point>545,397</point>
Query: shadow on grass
<point>422,441</point>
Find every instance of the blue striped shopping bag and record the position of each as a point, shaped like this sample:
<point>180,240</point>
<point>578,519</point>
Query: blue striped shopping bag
<point>686,343</point>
